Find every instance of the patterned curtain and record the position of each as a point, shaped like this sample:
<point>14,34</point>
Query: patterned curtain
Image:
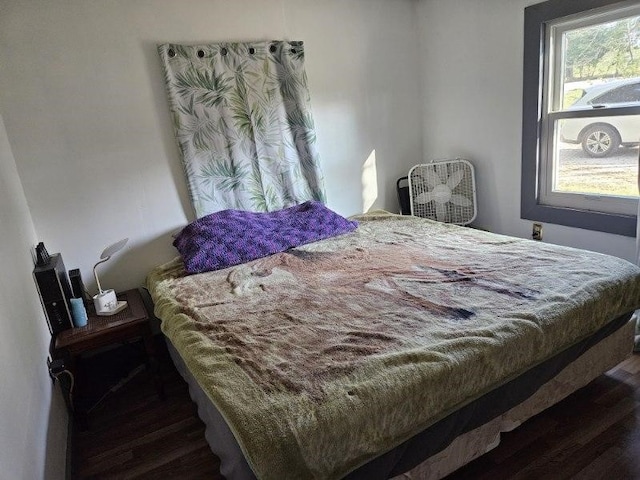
<point>636,347</point>
<point>243,123</point>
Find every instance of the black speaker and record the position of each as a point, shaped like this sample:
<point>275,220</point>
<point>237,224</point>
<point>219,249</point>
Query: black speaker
<point>77,285</point>
<point>402,189</point>
<point>55,292</point>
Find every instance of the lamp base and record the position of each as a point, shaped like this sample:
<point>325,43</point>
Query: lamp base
<point>119,307</point>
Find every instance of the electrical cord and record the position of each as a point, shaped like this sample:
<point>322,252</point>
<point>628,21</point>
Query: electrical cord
<point>71,383</point>
<point>117,386</point>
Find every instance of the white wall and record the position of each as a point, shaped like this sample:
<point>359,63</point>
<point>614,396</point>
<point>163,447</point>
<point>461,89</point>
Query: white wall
<point>472,53</point>
<point>31,411</point>
<point>82,95</point>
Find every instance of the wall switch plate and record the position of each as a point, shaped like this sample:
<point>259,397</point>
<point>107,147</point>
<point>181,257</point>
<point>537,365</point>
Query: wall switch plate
<point>536,234</point>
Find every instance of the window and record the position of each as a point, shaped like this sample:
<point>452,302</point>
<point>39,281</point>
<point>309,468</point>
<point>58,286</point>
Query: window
<point>581,114</point>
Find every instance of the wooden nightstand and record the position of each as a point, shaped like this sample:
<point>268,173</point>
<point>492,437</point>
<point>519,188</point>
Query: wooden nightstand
<point>101,331</point>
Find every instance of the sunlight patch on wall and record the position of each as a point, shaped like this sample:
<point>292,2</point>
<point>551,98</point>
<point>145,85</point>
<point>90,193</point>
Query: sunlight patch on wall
<point>369,182</point>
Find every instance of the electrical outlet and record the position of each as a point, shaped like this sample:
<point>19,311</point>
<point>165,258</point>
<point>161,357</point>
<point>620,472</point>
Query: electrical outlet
<point>55,367</point>
<point>536,234</point>
<point>53,378</point>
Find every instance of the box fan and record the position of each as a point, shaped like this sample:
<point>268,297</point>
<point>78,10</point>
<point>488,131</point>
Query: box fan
<point>444,191</point>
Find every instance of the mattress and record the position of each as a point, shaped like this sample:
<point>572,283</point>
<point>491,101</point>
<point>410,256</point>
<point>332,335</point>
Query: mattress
<point>322,358</point>
<point>599,357</point>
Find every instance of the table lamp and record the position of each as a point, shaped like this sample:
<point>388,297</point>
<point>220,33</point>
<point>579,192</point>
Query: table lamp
<point>106,302</point>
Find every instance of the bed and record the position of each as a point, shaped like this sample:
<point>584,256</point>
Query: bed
<point>400,349</point>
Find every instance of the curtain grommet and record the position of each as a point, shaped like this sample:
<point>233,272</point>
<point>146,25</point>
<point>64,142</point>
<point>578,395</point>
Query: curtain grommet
<point>272,48</point>
<point>223,51</point>
<point>200,53</point>
<point>171,52</point>
<point>252,50</point>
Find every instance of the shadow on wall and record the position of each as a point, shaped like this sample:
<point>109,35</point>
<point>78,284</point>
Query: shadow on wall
<point>122,271</point>
<point>55,463</point>
<point>156,80</point>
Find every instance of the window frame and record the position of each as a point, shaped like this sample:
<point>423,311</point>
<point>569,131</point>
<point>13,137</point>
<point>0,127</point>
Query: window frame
<point>536,203</point>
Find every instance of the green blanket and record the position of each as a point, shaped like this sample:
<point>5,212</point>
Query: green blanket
<point>326,356</point>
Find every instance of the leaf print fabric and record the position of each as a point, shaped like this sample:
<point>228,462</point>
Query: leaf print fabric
<point>243,123</point>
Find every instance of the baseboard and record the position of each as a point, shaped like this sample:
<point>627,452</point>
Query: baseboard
<point>69,471</point>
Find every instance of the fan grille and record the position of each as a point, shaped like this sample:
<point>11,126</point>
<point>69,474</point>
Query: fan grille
<point>443,191</point>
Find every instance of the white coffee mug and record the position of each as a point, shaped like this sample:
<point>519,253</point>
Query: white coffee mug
<point>105,302</point>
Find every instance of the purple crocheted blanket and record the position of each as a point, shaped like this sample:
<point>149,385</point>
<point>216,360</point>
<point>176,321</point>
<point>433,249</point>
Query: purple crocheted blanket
<point>232,237</point>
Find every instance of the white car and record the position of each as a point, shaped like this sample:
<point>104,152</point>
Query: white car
<point>602,136</point>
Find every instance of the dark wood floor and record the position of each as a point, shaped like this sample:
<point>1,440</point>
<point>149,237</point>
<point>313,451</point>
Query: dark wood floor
<point>593,434</point>
<point>134,434</point>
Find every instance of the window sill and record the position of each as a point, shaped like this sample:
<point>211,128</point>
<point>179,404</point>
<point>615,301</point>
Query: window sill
<point>617,224</point>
